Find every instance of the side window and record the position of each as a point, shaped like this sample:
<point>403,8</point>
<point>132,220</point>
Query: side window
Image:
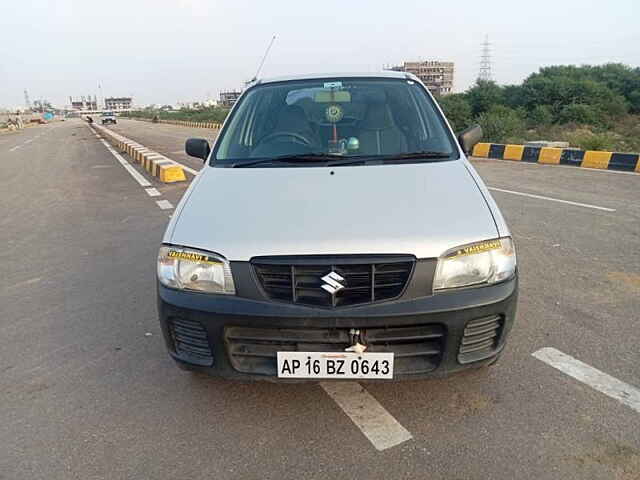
<point>235,142</point>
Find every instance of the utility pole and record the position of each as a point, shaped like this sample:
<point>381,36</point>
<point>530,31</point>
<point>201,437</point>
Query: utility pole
<point>27,102</point>
<point>485,61</point>
<point>101,105</point>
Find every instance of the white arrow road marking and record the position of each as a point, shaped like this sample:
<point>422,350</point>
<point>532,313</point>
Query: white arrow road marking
<point>378,425</point>
<point>600,381</point>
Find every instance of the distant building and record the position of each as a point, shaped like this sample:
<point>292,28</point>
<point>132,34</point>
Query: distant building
<point>118,103</point>
<point>437,76</point>
<point>228,99</point>
<point>85,103</point>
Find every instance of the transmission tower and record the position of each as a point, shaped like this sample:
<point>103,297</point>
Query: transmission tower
<point>485,61</point>
<point>27,102</point>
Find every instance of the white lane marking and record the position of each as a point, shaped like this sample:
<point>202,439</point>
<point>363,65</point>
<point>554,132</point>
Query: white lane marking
<point>600,381</point>
<point>25,283</point>
<point>540,197</point>
<point>190,170</point>
<point>15,148</point>
<point>378,425</point>
<point>152,192</point>
<point>28,141</point>
<point>134,173</point>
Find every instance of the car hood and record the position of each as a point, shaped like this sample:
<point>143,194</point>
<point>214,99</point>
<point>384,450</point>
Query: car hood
<point>419,209</point>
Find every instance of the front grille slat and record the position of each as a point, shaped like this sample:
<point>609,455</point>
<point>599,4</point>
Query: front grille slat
<point>468,340</point>
<point>298,280</point>
<point>417,349</point>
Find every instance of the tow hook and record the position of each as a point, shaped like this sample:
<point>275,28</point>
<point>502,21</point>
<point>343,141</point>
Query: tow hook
<point>357,342</point>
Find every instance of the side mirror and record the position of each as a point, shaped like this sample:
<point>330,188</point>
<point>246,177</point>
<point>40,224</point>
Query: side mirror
<point>469,137</point>
<point>197,147</point>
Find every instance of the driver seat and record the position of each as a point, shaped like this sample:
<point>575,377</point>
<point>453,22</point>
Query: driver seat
<point>293,119</point>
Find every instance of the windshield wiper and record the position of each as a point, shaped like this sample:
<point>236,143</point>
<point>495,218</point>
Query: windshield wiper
<point>303,157</point>
<point>339,160</point>
<point>427,156</point>
<point>411,155</point>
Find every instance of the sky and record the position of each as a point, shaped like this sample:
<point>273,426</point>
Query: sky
<point>165,51</point>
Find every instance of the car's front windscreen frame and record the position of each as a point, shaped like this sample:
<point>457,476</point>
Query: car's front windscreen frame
<point>436,113</point>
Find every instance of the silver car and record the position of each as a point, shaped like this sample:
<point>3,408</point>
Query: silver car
<point>336,231</point>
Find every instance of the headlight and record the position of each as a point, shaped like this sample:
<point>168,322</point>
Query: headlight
<point>190,269</point>
<point>485,262</point>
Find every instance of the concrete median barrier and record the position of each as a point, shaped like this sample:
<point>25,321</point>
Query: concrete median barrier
<point>629,162</point>
<point>161,167</point>
<point>183,123</point>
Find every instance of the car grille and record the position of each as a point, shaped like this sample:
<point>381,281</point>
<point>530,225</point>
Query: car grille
<point>190,341</point>
<point>480,338</point>
<point>366,280</point>
<point>417,349</point>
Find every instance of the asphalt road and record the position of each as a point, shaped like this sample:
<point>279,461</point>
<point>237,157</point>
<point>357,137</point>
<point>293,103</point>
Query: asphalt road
<point>89,392</point>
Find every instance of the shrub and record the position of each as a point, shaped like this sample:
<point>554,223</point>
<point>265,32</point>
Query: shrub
<point>541,115</point>
<point>580,113</point>
<point>588,140</point>
<point>501,123</point>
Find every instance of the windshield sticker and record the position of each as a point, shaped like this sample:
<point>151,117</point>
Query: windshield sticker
<point>192,257</point>
<point>332,85</point>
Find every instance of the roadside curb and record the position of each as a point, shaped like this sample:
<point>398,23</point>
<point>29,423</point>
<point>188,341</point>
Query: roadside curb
<point>159,166</point>
<point>182,123</point>
<point>628,162</point>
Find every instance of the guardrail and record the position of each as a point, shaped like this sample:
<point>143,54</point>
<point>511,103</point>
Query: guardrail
<point>629,162</point>
<point>182,123</point>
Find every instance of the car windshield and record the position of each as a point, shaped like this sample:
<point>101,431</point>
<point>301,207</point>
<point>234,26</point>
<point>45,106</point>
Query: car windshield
<point>347,118</point>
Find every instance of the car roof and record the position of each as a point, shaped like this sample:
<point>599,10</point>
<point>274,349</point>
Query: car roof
<point>315,76</point>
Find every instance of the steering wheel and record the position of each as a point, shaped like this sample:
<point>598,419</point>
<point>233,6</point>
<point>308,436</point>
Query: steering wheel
<point>292,135</point>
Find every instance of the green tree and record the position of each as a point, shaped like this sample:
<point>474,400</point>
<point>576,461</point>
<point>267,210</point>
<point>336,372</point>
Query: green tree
<point>484,95</point>
<point>634,101</point>
<point>457,110</point>
<point>541,115</point>
<point>512,96</point>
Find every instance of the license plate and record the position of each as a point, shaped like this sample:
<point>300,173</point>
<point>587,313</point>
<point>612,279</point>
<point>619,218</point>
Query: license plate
<point>335,365</point>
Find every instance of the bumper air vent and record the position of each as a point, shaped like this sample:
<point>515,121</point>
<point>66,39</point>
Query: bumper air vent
<point>190,341</point>
<point>481,338</point>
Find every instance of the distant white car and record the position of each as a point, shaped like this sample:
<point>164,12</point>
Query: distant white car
<point>108,117</point>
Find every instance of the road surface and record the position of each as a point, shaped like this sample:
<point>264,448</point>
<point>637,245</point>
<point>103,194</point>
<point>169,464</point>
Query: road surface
<point>89,392</point>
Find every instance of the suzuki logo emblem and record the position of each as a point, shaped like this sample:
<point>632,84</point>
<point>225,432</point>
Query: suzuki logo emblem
<point>332,283</point>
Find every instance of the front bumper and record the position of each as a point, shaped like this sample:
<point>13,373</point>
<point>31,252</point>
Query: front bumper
<point>436,335</point>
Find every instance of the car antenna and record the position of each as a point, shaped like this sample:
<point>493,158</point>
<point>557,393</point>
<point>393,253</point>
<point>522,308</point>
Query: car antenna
<point>255,77</point>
